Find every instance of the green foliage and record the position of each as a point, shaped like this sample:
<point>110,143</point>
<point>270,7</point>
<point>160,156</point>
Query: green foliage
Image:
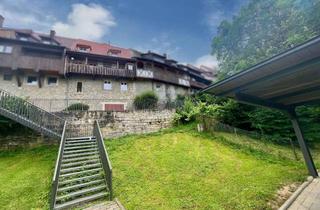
<point>186,113</point>
<point>262,29</point>
<point>78,107</point>
<point>146,100</point>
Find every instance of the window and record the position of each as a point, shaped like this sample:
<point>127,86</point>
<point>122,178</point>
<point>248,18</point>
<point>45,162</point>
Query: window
<point>32,80</point>
<point>52,80</point>
<point>107,85</point>
<point>46,42</point>
<point>79,87</point>
<point>7,77</point>
<point>140,65</point>
<point>23,38</point>
<point>158,86</point>
<point>113,52</point>
<point>84,48</point>
<point>123,86</point>
<point>130,66</point>
<point>5,49</point>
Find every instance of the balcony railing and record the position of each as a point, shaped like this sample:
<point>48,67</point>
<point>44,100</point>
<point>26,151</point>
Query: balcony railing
<point>98,70</point>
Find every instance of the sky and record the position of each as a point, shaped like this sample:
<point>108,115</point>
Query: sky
<point>183,29</point>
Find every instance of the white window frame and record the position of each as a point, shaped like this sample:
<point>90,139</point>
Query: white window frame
<point>55,84</point>
<point>107,85</point>
<point>34,82</point>
<point>130,66</point>
<point>7,49</point>
<point>123,86</point>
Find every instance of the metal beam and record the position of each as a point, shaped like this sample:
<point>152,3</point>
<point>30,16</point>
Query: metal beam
<point>295,93</point>
<point>255,101</point>
<point>304,148</point>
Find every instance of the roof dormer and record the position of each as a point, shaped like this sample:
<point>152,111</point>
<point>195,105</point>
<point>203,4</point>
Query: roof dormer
<point>83,48</point>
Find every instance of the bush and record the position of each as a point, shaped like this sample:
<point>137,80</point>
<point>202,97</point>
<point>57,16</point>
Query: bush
<point>147,100</point>
<point>78,107</point>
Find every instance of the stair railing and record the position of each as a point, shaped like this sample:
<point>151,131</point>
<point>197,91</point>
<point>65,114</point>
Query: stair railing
<point>54,184</point>
<point>106,163</point>
<point>30,115</point>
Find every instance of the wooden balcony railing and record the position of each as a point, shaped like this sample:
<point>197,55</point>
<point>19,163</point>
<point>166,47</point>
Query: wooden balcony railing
<point>98,70</point>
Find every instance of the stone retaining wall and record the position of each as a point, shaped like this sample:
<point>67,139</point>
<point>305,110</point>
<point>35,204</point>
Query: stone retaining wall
<point>116,124</point>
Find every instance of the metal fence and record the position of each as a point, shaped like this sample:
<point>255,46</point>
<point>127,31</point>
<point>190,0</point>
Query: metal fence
<point>72,104</point>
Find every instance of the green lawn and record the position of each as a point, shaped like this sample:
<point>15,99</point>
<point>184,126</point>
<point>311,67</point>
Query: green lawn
<point>25,178</point>
<point>180,169</point>
<point>174,169</point>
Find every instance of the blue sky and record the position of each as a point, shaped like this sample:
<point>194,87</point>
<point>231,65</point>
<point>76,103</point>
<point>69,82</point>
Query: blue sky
<point>181,28</point>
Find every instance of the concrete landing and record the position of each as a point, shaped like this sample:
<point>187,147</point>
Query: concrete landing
<point>309,198</point>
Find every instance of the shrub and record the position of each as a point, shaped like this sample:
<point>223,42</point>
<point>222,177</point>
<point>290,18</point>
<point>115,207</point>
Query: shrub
<point>147,100</point>
<point>78,107</point>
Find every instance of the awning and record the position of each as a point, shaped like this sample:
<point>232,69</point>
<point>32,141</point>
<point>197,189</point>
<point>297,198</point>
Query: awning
<point>283,82</point>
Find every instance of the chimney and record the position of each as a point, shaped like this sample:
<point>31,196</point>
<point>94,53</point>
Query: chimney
<point>165,55</point>
<point>1,21</point>
<point>52,34</point>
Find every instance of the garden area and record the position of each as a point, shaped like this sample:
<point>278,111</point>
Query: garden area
<point>177,168</point>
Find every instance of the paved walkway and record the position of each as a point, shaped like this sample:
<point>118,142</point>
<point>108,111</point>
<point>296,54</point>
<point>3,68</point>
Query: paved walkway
<point>309,199</point>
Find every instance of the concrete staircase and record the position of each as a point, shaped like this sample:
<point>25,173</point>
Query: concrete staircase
<point>82,177</point>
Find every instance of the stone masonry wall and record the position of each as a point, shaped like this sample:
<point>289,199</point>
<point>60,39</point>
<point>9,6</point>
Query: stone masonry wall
<point>116,124</point>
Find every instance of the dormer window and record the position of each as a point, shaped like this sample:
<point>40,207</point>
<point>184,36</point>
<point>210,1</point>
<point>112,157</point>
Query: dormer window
<point>113,52</point>
<point>23,38</point>
<point>83,48</point>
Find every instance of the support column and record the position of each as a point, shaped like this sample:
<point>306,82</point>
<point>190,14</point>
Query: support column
<point>304,148</point>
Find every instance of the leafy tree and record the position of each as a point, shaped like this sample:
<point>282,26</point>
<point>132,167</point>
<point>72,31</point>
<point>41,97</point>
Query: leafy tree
<point>264,28</point>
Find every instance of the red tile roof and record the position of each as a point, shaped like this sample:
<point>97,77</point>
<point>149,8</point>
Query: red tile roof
<point>95,47</point>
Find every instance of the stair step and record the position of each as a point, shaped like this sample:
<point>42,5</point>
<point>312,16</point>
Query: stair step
<point>76,186</point>
<point>79,168</point>
<point>80,151</point>
<point>81,172</point>
<point>71,160</point>
<point>80,179</point>
<point>79,138</point>
<point>79,146</point>
<point>80,154</point>
<point>80,142</point>
<point>80,200</point>
<point>81,192</point>
<point>67,165</point>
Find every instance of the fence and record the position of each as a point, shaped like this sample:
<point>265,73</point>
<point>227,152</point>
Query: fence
<point>59,105</point>
<point>263,144</point>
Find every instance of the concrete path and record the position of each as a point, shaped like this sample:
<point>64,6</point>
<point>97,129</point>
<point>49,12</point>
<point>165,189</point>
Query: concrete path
<point>309,198</point>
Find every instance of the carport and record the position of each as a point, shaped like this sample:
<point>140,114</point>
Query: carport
<point>283,82</point>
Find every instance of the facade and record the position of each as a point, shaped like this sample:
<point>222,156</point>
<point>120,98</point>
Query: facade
<point>54,72</point>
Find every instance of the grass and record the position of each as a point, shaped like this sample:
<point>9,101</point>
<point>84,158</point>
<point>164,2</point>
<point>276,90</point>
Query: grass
<point>25,177</point>
<point>173,169</point>
<point>180,169</point>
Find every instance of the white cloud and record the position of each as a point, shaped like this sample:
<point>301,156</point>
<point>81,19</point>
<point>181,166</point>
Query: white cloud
<point>22,14</point>
<point>86,21</point>
<point>160,44</point>
<point>207,60</point>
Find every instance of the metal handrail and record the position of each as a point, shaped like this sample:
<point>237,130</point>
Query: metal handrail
<point>32,116</point>
<point>106,163</point>
<point>54,184</point>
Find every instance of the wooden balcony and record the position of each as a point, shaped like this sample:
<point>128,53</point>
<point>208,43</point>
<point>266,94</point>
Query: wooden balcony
<point>98,70</point>
<point>197,85</point>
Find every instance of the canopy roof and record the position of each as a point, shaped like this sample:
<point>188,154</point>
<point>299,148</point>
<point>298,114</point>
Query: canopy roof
<point>284,81</point>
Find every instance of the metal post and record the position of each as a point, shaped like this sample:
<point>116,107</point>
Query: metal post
<point>304,148</point>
